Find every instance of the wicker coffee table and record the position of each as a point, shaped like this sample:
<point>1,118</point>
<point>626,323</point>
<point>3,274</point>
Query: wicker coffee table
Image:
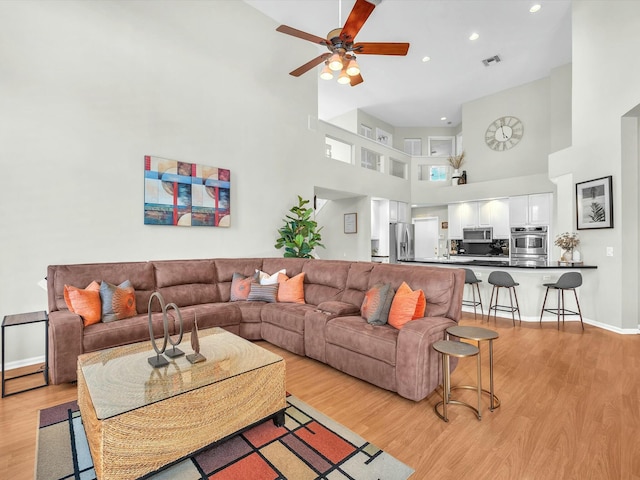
<point>139,419</point>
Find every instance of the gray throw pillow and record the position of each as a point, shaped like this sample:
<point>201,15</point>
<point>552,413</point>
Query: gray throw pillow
<point>377,304</point>
<point>263,293</point>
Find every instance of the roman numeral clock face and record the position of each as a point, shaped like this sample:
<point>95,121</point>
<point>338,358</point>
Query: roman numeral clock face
<point>504,133</point>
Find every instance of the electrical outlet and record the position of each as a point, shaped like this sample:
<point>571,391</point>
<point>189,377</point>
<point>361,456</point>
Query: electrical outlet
<point>609,251</point>
<point>478,274</point>
<point>546,277</point>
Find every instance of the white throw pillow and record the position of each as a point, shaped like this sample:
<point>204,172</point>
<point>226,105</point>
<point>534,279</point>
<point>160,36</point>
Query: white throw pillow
<point>266,279</point>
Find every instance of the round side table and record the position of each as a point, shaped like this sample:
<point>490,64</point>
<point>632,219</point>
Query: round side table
<point>449,349</point>
<point>479,334</point>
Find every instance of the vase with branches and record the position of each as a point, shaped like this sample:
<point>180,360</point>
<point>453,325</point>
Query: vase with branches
<point>567,242</point>
<point>456,162</point>
<point>300,234</point>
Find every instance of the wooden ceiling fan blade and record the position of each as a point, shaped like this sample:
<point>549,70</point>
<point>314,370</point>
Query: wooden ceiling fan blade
<point>300,34</point>
<point>381,48</point>
<point>309,65</point>
<point>359,14</point>
<point>356,80</point>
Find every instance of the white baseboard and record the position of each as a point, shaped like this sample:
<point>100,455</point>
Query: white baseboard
<point>546,319</point>
<point>24,363</point>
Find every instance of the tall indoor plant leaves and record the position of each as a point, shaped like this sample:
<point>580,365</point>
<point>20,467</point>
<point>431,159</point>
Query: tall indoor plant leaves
<point>299,235</point>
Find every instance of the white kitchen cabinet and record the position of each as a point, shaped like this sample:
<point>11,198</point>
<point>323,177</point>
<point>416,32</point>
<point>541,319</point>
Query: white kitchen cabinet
<point>534,209</point>
<point>375,220</point>
<point>393,211</point>
<point>403,212</point>
<point>455,221</point>
<point>495,213</point>
<point>469,212</point>
<point>500,218</point>
<point>484,214</point>
<point>540,209</point>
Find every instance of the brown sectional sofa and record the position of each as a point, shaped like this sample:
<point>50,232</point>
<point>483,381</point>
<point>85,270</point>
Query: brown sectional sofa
<point>328,328</point>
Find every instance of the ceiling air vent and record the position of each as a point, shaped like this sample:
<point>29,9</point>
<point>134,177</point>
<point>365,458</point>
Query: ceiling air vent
<point>488,61</point>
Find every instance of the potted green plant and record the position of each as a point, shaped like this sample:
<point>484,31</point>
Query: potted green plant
<point>300,234</point>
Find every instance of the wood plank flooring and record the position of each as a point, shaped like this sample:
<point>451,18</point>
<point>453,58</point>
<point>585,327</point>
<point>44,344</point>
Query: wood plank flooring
<point>570,410</point>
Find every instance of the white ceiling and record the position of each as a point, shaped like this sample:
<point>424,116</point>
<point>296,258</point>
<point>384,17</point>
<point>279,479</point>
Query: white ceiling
<point>406,92</point>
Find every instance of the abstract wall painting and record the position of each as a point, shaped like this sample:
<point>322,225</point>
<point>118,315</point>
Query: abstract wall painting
<point>594,203</point>
<point>186,194</point>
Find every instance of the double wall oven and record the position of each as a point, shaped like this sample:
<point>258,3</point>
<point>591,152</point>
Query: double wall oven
<point>529,245</point>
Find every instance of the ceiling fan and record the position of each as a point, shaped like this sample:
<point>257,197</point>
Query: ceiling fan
<point>342,49</point>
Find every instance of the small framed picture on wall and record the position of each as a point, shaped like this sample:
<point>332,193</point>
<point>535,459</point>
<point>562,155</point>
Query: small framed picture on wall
<point>594,203</point>
<point>350,223</point>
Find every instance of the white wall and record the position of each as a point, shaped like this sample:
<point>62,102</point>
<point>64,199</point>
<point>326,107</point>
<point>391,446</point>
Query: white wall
<point>605,83</point>
<point>89,88</point>
<point>529,103</point>
<point>345,246</point>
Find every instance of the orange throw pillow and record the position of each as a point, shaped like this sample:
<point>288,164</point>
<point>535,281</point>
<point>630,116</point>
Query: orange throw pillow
<point>407,305</point>
<point>291,289</point>
<point>84,302</point>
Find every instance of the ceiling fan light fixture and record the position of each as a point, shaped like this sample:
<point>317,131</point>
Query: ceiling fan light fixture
<point>353,68</point>
<point>343,78</point>
<point>335,62</point>
<point>326,73</point>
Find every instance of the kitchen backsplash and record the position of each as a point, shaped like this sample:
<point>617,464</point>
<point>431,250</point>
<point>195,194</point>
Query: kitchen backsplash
<point>497,247</point>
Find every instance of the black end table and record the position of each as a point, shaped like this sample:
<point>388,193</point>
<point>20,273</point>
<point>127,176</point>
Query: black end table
<point>24,319</point>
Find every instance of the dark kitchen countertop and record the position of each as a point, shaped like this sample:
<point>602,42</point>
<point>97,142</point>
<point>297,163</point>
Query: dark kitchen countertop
<point>494,263</point>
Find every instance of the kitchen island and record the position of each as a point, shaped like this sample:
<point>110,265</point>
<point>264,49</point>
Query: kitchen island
<point>493,261</point>
<point>530,291</point>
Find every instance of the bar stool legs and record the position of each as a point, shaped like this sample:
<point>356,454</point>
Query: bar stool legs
<point>502,279</point>
<point>471,279</point>
<point>567,281</point>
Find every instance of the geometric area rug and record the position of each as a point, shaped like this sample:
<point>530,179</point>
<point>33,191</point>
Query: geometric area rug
<point>310,446</point>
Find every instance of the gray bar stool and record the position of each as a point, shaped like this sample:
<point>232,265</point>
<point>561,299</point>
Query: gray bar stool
<point>567,281</point>
<point>500,279</point>
<point>460,350</point>
<point>471,279</point>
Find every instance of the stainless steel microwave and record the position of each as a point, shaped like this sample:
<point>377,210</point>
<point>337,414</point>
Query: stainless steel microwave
<point>477,235</point>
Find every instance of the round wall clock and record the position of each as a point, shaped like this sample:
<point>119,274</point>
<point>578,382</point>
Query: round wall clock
<point>504,133</point>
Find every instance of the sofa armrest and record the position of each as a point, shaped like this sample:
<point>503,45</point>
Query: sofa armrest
<point>338,308</point>
<point>65,344</point>
<point>418,368</point>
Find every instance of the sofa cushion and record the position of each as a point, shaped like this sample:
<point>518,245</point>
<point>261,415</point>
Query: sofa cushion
<point>140,274</point>
<point>355,334</point>
<point>293,266</point>
<point>85,302</point>
<point>288,316</point>
<point>263,293</point>
<point>358,282</point>
<point>291,289</point>
<point>324,280</point>
<point>186,282</point>
<point>240,287</point>
<point>118,302</point>
<point>123,332</point>
<point>226,267</point>
<point>407,305</point>
<point>209,315</point>
<point>436,283</point>
<point>377,304</point>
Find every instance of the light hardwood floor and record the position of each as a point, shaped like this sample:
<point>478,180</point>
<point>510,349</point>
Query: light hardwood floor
<point>570,410</point>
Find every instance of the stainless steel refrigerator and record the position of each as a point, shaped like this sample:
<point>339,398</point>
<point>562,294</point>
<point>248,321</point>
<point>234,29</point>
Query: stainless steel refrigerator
<point>401,242</point>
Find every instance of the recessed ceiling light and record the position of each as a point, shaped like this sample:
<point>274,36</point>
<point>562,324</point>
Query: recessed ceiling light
<point>426,59</point>
<point>443,118</point>
<point>474,36</point>
<point>535,8</point>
